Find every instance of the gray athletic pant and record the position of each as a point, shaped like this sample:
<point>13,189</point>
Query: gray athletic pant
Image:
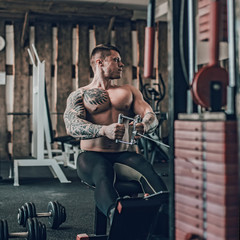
<point>101,169</point>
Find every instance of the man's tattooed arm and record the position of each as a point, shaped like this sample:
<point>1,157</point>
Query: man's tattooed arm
<point>150,122</point>
<point>74,118</point>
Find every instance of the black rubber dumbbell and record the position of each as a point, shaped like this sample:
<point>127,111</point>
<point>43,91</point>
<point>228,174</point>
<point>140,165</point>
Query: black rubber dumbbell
<point>56,213</point>
<point>35,231</point>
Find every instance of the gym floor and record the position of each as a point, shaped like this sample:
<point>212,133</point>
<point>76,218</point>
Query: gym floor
<point>38,186</point>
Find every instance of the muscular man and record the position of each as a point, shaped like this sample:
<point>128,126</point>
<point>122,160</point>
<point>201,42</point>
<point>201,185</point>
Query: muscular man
<point>92,115</point>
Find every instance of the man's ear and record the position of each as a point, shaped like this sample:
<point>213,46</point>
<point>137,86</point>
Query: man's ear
<point>99,61</point>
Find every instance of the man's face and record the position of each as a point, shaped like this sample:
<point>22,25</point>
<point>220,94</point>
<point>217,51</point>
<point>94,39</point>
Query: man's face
<point>113,66</point>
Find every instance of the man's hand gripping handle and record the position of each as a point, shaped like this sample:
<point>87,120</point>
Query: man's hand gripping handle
<point>135,120</point>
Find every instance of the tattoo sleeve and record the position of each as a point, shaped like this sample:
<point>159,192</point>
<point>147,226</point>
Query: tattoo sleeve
<point>150,122</point>
<point>74,118</point>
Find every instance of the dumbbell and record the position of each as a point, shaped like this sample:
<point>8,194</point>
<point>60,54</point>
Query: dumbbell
<point>56,214</point>
<point>35,231</point>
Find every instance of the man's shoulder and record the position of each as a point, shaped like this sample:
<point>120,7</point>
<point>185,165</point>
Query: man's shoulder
<point>77,94</point>
<point>131,88</point>
<point>127,86</point>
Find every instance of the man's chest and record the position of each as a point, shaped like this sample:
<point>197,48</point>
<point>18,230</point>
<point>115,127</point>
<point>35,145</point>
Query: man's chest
<point>98,100</point>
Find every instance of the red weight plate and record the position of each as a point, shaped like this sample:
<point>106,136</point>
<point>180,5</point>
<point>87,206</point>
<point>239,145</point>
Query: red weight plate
<point>222,168</point>
<point>185,153</point>
<point>188,135</point>
<point>188,163</point>
<point>208,136</point>
<point>223,232</point>
<point>187,144</point>
<point>186,209</point>
<point>188,228</point>
<point>179,234</point>
<point>222,126</point>
<point>188,125</point>
<point>221,221</point>
<point>225,148</point>
<point>216,237</point>
<point>192,202</point>
<point>188,191</point>
<point>222,211</point>
<point>201,86</point>
<point>220,190</point>
<point>222,179</point>
<point>189,182</point>
<point>188,172</point>
<point>192,221</point>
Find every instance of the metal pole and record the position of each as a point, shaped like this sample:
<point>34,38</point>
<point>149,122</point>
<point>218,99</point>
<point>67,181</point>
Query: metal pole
<point>192,51</point>
<point>237,81</point>
<point>151,13</point>
<point>232,57</point>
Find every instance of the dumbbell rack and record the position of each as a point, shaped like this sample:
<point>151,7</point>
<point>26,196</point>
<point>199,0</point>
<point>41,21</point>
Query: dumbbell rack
<point>206,178</point>
<point>40,126</point>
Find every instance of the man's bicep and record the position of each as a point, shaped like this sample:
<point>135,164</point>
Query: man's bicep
<point>75,107</point>
<point>140,106</point>
<point>74,112</point>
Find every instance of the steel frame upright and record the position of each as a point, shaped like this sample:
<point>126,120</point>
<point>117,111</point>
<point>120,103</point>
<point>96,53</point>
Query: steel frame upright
<point>40,128</point>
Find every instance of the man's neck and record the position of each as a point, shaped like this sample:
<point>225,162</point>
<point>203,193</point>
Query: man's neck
<point>101,83</point>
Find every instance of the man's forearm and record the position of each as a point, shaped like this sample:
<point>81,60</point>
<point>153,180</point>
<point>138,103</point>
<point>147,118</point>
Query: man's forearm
<point>150,122</point>
<point>85,130</point>
<point>80,128</point>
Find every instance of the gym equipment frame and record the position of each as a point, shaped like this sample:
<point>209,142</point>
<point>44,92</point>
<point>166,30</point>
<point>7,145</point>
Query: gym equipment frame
<point>69,145</point>
<point>40,126</point>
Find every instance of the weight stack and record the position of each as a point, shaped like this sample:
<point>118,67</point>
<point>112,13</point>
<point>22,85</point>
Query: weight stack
<point>206,180</point>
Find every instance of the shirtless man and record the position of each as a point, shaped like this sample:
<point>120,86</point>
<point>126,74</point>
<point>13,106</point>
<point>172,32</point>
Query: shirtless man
<point>92,115</point>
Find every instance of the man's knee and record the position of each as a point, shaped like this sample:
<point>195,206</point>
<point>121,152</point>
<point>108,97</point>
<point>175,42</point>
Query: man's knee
<point>102,173</point>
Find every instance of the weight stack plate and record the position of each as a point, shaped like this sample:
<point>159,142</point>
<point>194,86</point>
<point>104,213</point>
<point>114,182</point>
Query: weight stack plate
<point>206,179</point>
